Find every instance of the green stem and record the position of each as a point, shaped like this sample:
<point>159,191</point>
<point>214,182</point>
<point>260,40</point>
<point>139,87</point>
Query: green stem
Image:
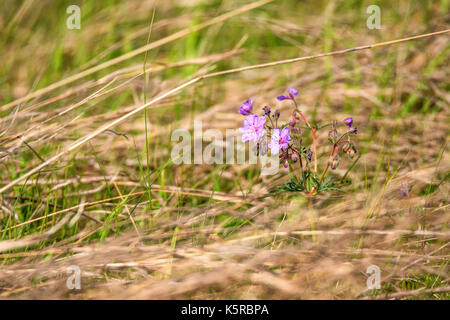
<point>331,155</point>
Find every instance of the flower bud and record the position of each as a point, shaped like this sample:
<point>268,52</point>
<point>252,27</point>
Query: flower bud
<point>294,157</point>
<point>332,135</point>
<point>352,152</point>
<point>346,147</point>
<point>334,162</point>
<point>276,115</point>
<point>335,124</point>
<point>350,149</point>
<point>293,121</point>
<point>309,154</point>
<point>296,130</point>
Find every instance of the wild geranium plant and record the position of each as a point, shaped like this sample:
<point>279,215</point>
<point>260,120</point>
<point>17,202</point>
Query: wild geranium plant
<point>289,141</point>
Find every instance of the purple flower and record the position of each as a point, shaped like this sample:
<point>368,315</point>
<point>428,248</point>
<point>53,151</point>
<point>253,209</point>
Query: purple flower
<point>348,121</point>
<point>253,128</point>
<point>279,140</point>
<point>266,110</point>
<point>292,93</point>
<point>283,97</point>
<point>309,154</point>
<point>246,107</point>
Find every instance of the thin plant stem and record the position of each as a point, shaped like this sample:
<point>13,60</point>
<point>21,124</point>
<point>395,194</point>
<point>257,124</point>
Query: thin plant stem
<point>293,173</point>
<point>313,131</point>
<point>303,172</point>
<point>336,144</point>
<point>301,165</point>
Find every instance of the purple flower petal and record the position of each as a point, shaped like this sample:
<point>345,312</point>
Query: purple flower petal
<point>279,140</point>
<point>253,128</point>
<point>274,141</point>
<point>293,91</point>
<point>310,154</point>
<point>348,121</point>
<point>246,107</point>
<point>283,97</point>
<point>284,138</point>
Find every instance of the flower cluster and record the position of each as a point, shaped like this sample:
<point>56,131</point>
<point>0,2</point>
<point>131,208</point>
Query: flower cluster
<point>288,141</point>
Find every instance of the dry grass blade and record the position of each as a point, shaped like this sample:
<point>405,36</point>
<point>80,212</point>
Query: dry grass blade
<point>136,52</point>
<point>168,93</point>
<point>86,180</point>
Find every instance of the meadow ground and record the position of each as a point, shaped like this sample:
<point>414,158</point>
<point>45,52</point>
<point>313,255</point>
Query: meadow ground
<point>101,191</point>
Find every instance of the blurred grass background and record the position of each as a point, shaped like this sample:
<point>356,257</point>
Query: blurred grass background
<point>195,223</point>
